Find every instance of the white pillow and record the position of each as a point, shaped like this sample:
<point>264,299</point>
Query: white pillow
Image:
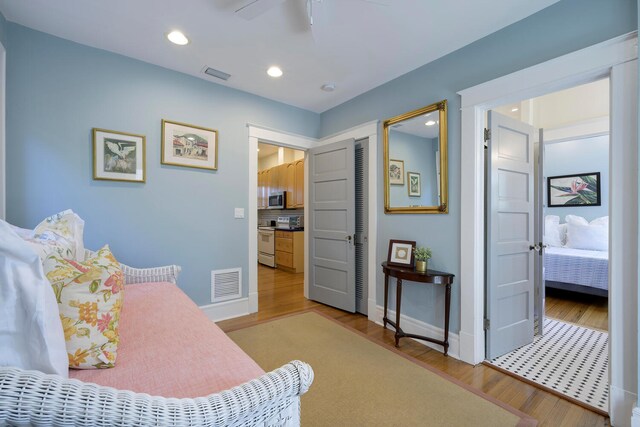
<point>588,237</point>
<point>575,219</point>
<point>603,220</point>
<point>562,231</point>
<point>31,335</point>
<point>67,225</point>
<point>552,230</point>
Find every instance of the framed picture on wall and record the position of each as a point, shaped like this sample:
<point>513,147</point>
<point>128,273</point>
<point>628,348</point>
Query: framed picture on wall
<point>574,190</point>
<point>118,156</point>
<point>414,187</point>
<point>189,145</point>
<point>401,253</point>
<point>396,172</point>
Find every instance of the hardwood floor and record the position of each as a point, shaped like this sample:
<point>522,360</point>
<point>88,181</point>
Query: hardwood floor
<point>281,293</point>
<point>584,310</point>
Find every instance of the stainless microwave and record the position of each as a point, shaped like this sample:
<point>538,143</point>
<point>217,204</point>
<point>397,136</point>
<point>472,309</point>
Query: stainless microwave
<point>277,200</point>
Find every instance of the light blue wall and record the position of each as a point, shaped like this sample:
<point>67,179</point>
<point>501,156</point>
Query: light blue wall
<point>59,90</point>
<point>559,29</point>
<point>418,155</point>
<point>574,157</point>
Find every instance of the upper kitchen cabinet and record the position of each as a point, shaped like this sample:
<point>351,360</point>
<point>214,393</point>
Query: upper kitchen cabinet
<point>289,182</point>
<point>280,169</point>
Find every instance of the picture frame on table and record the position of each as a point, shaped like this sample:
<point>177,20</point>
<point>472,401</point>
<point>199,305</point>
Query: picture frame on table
<point>401,253</point>
<point>396,172</point>
<point>574,190</point>
<point>189,145</point>
<point>414,184</point>
<point>118,156</point>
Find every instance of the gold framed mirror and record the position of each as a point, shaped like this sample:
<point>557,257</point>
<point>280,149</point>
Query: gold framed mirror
<point>415,161</point>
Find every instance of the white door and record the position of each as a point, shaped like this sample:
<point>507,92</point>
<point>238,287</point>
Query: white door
<point>510,237</point>
<point>332,223</point>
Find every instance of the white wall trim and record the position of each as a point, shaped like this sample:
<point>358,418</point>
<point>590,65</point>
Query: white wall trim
<point>226,310</point>
<point>3,151</point>
<point>569,70</point>
<point>418,327</point>
<point>281,138</point>
<point>583,129</point>
<point>621,403</point>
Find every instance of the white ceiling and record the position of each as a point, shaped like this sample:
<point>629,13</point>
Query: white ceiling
<point>356,44</point>
<point>417,126</point>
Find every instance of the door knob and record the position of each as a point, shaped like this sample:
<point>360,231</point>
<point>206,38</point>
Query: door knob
<point>534,247</point>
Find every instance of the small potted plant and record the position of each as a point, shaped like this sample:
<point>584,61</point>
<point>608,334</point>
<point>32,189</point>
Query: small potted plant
<point>422,255</point>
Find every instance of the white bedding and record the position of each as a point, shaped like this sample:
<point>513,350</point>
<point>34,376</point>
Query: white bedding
<point>577,266</point>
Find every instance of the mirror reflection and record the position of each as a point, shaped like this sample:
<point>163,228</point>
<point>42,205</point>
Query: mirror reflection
<point>415,159</point>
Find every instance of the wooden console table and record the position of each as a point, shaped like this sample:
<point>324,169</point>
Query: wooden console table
<point>430,276</point>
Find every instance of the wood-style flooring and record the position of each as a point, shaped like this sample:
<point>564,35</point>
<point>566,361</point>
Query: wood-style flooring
<point>281,293</point>
<point>584,310</point>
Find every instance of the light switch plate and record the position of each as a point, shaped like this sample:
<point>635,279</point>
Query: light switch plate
<point>239,213</point>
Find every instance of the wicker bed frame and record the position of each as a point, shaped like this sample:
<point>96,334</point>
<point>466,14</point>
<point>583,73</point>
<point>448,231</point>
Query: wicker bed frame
<point>34,398</point>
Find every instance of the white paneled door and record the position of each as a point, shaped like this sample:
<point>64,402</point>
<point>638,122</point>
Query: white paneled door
<point>332,225</point>
<point>510,237</point>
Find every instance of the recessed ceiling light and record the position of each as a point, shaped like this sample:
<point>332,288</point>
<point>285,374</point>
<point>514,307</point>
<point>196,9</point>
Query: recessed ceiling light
<point>178,38</point>
<point>274,71</point>
<point>430,123</point>
<point>514,109</point>
<point>328,87</point>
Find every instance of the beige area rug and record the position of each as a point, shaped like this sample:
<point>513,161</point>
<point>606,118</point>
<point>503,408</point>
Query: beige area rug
<point>362,383</point>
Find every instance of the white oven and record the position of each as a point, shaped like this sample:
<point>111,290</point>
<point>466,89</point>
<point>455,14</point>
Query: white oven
<point>267,246</point>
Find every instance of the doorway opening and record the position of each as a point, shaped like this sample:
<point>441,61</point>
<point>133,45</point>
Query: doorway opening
<point>281,232</point>
<point>547,169</point>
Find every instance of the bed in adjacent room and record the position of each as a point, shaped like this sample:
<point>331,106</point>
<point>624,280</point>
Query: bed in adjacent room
<point>577,256</point>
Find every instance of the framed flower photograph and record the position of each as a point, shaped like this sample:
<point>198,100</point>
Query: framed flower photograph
<point>574,190</point>
<point>189,145</point>
<point>118,156</point>
<point>401,253</point>
<point>414,187</point>
<point>396,172</point>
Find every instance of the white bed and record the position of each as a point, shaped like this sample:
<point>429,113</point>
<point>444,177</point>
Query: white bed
<point>577,270</point>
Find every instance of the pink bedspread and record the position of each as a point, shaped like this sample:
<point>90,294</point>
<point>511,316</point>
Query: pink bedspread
<point>168,347</point>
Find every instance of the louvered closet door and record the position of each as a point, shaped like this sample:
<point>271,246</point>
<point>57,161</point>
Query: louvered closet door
<point>362,190</point>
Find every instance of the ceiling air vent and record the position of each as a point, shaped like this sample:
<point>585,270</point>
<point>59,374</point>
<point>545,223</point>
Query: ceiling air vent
<point>225,284</point>
<point>217,73</point>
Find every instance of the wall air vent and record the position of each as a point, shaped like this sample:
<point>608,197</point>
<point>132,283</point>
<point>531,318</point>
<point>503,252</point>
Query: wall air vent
<point>217,73</point>
<point>225,284</point>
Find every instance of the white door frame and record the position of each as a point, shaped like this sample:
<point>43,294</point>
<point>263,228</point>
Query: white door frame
<point>3,151</point>
<point>583,66</point>
<point>298,142</point>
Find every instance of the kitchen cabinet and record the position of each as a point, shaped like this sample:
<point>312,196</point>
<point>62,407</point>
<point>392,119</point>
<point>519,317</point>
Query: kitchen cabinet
<point>289,181</point>
<point>290,250</point>
<point>287,177</point>
<point>298,190</point>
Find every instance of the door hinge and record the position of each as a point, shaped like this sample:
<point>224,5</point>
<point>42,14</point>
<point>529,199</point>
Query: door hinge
<point>487,324</point>
<point>487,137</point>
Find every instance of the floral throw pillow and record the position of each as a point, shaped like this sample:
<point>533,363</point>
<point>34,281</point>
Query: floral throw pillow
<point>89,296</point>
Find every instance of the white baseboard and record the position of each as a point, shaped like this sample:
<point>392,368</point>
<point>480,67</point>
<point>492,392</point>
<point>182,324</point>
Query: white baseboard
<point>418,327</point>
<point>621,408</point>
<point>635,417</point>
<point>227,309</point>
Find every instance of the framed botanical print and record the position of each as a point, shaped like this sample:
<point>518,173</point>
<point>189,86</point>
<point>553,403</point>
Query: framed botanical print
<point>414,187</point>
<point>118,156</point>
<point>396,172</point>
<point>401,253</point>
<point>189,145</point>
<point>574,190</point>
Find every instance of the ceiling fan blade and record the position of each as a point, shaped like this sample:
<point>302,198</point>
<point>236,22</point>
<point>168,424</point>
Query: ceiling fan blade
<point>255,8</point>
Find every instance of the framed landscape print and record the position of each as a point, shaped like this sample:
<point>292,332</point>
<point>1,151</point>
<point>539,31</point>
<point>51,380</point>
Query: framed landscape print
<point>574,190</point>
<point>189,145</point>
<point>415,187</point>
<point>396,172</point>
<point>118,156</point>
<point>401,253</point>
